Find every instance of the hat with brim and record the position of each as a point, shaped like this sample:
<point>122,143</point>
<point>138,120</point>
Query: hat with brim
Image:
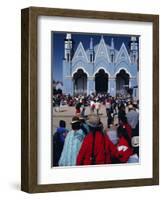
<point>75,119</point>
<point>94,121</point>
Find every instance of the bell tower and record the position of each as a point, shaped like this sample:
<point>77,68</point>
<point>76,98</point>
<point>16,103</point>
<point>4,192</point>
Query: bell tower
<point>68,47</point>
<point>134,49</point>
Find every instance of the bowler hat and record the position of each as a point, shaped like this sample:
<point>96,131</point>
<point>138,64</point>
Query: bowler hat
<point>75,119</point>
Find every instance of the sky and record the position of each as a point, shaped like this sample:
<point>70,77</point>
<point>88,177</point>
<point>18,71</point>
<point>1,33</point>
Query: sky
<point>58,47</point>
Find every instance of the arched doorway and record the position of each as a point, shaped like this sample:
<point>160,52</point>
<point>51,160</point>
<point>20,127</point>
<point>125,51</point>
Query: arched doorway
<point>122,82</point>
<point>101,82</point>
<point>80,82</point>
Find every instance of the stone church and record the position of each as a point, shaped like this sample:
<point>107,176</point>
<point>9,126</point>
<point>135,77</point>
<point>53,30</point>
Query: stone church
<point>101,68</point>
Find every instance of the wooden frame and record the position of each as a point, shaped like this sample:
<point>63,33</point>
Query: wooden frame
<point>29,99</point>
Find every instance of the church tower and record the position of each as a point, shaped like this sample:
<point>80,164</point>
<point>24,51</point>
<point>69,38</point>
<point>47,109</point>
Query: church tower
<point>134,49</point>
<point>68,47</point>
<point>91,51</point>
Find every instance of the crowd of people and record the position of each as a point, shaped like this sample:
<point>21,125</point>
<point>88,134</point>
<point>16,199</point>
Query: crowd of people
<point>90,141</point>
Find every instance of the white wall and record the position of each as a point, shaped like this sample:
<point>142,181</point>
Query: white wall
<point>10,97</point>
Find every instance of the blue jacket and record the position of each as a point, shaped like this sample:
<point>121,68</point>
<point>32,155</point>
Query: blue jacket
<point>71,148</point>
<point>60,131</point>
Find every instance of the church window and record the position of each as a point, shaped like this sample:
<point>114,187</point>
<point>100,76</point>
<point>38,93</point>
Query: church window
<point>68,57</point>
<point>112,58</point>
<point>91,58</point>
<point>134,58</point>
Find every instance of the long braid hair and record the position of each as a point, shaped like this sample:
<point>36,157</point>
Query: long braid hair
<point>93,131</point>
<point>121,131</point>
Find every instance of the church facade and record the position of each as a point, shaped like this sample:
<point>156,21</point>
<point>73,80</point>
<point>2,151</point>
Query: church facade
<point>101,68</point>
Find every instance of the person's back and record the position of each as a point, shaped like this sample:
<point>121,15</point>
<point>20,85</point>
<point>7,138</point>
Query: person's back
<point>124,145</point>
<point>135,139</point>
<point>71,147</point>
<point>96,149</point>
<point>121,113</point>
<point>132,118</point>
<point>123,123</point>
<point>78,105</point>
<point>108,105</point>
<point>92,142</point>
<point>112,134</point>
<point>124,150</point>
<point>58,141</point>
<point>92,104</point>
<point>72,144</point>
<point>97,105</point>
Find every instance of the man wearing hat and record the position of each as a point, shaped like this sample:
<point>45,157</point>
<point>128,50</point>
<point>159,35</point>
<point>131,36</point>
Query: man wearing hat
<point>72,144</point>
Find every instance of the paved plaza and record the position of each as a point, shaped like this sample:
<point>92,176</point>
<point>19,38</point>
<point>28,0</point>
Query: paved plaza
<point>66,113</point>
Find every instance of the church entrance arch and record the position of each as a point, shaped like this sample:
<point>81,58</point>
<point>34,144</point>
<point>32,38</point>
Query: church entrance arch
<point>80,82</point>
<point>101,82</point>
<point>122,82</point>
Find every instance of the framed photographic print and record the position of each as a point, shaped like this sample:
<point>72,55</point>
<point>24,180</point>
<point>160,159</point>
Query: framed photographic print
<point>90,99</point>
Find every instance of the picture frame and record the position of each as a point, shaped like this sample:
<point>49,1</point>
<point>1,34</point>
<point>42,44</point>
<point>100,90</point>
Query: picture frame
<point>29,98</point>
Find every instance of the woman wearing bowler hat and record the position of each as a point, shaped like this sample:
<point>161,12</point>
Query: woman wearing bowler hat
<point>72,144</point>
